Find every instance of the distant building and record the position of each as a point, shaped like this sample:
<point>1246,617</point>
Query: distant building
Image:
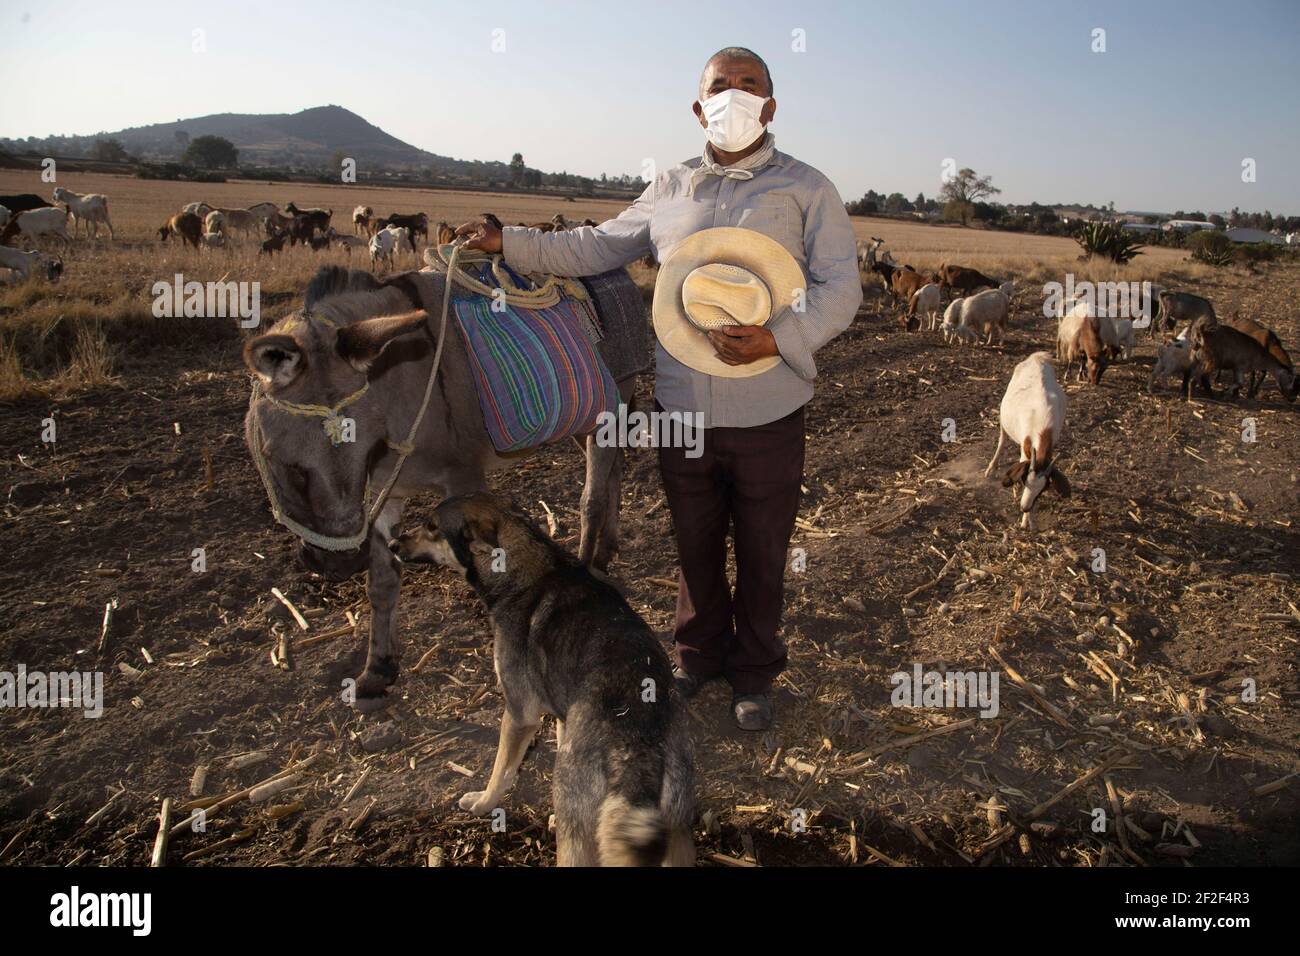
<point>1140,227</point>
<point>1188,225</point>
<point>1254,235</point>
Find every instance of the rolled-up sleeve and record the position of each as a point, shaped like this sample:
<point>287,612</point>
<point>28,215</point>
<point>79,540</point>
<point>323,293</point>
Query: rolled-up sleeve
<point>587,250</point>
<point>834,288</point>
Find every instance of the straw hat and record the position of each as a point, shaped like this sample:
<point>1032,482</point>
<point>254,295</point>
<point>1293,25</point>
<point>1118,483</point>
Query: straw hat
<point>716,277</point>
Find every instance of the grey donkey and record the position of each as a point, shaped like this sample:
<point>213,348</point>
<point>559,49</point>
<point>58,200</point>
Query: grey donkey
<point>358,355</point>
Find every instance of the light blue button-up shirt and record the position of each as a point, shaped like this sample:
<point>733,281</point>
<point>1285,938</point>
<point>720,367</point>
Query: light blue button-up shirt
<point>786,200</point>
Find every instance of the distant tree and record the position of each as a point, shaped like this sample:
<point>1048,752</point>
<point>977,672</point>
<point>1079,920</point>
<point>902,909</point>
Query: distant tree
<point>109,150</point>
<point>211,152</point>
<point>1218,221</point>
<point>517,169</point>
<point>956,210</point>
<point>896,203</point>
<point>182,140</point>
<point>962,192</point>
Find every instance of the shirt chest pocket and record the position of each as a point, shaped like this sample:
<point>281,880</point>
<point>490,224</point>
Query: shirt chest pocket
<point>772,215</point>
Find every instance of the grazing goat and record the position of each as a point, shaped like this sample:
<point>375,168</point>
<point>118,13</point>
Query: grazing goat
<point>1222,348</point>
<point>907,282</point>
<point>213,240</point>
<point>214,222</point>
<point>90,208</point>
<point>300,229</point>
<point>347,242</point>
<point>984,313</point>
<point>1033,415</point>
<point>200,209</point>
<point>270,214</point>
<point>24,263</point>
<point>1008,289</point>
<point>963,279</point>
<point>239,220</point>
<point>925,301</point>
<point>446,233</point>
<point>274,244</point>
<point>1079,337</point>
<point>319,219</point>
<point>187,225</point>
<point>361,219</point>
<point>36,224</point>
<point>1266,337</point>
<point>1172,359</point>
<point>1178,307</point>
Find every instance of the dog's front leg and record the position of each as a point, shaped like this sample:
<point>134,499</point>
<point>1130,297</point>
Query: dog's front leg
<point>511,747</point>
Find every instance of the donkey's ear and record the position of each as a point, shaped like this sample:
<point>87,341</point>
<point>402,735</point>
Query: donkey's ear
<point>277,359</point>
<point>1060,484</point>
<point>1016,474</point>
<point>361,343</point>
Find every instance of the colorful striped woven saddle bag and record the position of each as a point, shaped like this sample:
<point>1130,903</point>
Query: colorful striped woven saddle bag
<point>538,372</point>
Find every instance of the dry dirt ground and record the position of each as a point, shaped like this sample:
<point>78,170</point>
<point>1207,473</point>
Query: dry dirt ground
<point>1165,685</point>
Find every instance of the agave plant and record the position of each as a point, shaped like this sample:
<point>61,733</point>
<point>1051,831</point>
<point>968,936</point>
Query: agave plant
<point>1212,248</point>
<point>1108,239</point>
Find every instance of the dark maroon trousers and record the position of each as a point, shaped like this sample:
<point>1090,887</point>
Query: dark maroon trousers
<point>747,479</point>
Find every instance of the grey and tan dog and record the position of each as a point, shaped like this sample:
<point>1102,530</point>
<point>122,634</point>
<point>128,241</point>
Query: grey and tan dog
<point>568,644</point>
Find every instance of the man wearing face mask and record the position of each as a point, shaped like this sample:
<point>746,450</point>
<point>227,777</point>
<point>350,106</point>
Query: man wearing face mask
<point>751,468</point>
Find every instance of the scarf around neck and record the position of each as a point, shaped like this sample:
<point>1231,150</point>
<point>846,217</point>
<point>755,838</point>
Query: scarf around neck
<point>744,169</point>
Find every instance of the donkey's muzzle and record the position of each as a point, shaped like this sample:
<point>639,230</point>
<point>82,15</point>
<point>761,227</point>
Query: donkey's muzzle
<point>334,565</point>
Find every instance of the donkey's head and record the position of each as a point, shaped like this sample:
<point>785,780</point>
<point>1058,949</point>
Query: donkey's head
<point>317,431</point>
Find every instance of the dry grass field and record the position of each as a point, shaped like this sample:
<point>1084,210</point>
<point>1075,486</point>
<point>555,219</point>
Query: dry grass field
<point>1162,690</point>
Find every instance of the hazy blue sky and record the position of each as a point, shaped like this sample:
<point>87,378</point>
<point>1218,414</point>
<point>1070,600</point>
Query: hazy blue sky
<point>883,94</point>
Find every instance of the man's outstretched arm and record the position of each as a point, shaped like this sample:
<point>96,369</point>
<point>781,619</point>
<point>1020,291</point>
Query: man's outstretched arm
<point>584,251</point>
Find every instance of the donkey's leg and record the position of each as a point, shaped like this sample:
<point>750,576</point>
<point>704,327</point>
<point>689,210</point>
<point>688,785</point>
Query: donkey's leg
<point>383,589</point>
<point>601,494</point>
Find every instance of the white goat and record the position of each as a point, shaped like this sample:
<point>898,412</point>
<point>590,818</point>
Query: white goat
<point>926,302</point>
<point>24,263</point>
<point>214,222</point>
<point>1033,415</point>
<point>200,209</point>
<point>385,242</point>
<point>984,312</point>
<point>91,208</point>
<point>38,223</point>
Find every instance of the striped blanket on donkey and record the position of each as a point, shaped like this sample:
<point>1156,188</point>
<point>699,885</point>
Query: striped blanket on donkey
<point>538,373</point>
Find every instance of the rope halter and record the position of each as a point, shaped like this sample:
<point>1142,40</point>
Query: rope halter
<point>333,423</point>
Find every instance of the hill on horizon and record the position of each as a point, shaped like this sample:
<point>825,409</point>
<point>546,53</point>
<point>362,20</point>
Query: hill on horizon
<point>313,137</point>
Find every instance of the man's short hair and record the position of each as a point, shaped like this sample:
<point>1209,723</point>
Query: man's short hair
<point>740,53</point>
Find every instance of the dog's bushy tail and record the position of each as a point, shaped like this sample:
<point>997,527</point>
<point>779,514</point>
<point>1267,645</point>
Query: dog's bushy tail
<point>628,835</point>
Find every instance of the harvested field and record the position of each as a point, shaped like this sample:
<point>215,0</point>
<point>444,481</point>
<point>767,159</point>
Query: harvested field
<point>1162,689</point>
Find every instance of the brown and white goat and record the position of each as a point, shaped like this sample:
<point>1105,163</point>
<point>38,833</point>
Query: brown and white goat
<point>1032,414</point>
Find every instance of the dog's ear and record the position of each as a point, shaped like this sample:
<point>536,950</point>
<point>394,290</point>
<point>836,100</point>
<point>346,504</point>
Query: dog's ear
<point>1016,474</point>
<point>1060,484</point>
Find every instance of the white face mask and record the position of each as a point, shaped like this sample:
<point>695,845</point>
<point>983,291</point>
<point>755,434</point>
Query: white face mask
<point>733,121</point>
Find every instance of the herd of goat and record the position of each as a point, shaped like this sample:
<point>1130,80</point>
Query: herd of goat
<point>1032,414</point>
<point>204,226</point>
